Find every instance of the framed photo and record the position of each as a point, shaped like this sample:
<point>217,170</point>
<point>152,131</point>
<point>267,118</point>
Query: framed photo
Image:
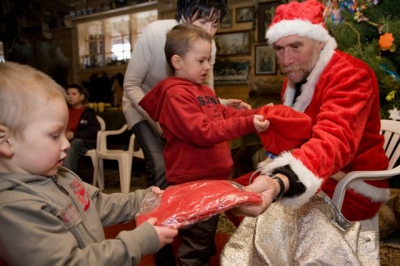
<point>227,20</point>
<point>231,71</point>
<point>233,43</point>
<point>266,11</point>
<point>244,14</point>
<point>265,59</point>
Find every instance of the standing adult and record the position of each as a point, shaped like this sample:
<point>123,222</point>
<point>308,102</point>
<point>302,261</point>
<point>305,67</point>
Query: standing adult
<point>340,94</point>
<point>148,66</point>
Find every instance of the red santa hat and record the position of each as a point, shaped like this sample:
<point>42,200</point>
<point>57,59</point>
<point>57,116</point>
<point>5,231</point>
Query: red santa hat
<point>298,18</point>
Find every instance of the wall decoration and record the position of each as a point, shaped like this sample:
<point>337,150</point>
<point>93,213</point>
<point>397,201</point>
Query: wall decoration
<point>244,14</point>
<point>227,20</point>
<point>233,43</point>
<point>231,71</point>
<point>265,14</point>
<point>265,60</point>
<point>333,12</point>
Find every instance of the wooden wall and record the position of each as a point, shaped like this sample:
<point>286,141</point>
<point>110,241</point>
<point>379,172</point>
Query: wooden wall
<point>65,38</point>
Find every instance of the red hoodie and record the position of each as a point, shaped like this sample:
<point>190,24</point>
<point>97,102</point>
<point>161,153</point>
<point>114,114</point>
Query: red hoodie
<point>197,128</point>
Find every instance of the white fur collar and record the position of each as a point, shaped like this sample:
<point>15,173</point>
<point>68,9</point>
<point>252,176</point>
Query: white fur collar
<point>307,90</point>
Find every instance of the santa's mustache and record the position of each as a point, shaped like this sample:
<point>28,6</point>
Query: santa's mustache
<point>292,68</point>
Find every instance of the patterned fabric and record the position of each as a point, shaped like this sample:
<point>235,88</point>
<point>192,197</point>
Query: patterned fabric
<point>315,234</point>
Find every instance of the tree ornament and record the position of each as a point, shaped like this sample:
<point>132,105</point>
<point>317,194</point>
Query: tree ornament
<point>386,41</point>
<point>394,114</point>
<point>391,96</point>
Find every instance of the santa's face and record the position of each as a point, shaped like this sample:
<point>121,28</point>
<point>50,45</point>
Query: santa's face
<point>297,56</point>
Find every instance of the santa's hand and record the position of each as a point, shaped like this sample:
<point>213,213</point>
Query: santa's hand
<point>253,210</point>
<point>263,185</point>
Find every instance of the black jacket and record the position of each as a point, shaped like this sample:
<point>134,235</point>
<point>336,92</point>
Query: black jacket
<point>87,128</point>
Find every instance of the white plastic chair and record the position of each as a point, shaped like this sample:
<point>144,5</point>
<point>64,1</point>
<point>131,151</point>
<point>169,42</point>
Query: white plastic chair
<point>391,131</point>
<point>92,153</point>
<point>124,158</point>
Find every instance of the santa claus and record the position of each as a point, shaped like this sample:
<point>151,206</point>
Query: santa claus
<point>340,95</point>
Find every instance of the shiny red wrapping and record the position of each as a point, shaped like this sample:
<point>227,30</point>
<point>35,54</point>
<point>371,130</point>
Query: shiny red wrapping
<point>191,202</point>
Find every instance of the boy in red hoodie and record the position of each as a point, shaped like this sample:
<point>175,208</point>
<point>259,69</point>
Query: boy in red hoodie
<point>197,128</point>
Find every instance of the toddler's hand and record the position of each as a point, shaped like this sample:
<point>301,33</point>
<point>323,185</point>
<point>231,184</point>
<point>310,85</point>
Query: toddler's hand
<point>157,191</point>
<point>260,124</point>
<point>165,234</point>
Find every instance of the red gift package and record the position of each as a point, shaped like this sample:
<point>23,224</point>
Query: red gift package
<point>191,202</point>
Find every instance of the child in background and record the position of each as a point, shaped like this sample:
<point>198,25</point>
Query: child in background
<point>82,126</point>
<point>197,128</point>
<point>48,216</point>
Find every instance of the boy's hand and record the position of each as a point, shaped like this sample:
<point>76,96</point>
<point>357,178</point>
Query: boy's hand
<point>260,124</point>
<point>165,234</point>
<point>157,191</point>
<point>238,104</point>
<point>69,135</point>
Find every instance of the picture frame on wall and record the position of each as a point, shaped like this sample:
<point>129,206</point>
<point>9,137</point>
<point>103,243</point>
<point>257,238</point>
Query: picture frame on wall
<point>244,14</point>
<point>227,71</point>
<point>265,60</point>
<point>265,14</point>
<point>226,22</point>
<point>233,43</point>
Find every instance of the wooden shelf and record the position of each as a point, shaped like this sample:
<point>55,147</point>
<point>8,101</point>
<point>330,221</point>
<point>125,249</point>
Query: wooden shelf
<point>108,68</point>
<point>113,12</point>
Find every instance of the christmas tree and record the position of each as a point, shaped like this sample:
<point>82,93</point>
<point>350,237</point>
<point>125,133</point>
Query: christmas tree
<point>370,30</point>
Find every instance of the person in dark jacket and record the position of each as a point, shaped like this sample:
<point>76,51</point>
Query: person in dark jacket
<point>82,126</point>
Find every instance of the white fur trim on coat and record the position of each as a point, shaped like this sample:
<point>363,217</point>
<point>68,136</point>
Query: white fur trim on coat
<point>298,27</point>
<point>375,194</point>
<point>309,180</point>
<point>313,183</point>
<point>307,90</point>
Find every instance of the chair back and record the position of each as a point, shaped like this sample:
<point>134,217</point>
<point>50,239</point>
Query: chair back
<point>102,129</point>
<point>124,158</point>
<point>102,123</point>
<point>390,129</point>
<point>102,146</point>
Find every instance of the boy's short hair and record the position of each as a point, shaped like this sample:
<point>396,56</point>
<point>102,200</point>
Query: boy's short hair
<point>23,90</point>
<point>180,39</point>
<point>192,10</point>
<point>81,89</point>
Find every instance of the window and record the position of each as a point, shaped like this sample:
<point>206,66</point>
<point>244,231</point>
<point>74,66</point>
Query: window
<point>91,44</point>
<point>110,41</point>
<point>120,48</point>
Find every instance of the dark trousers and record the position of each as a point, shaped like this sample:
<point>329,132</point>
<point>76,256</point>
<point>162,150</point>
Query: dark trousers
<point>153,147</point>
<point>76,150</point>
<point>197,243</point>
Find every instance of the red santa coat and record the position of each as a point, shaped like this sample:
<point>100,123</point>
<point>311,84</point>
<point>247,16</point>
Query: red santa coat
<point>341,96</point>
